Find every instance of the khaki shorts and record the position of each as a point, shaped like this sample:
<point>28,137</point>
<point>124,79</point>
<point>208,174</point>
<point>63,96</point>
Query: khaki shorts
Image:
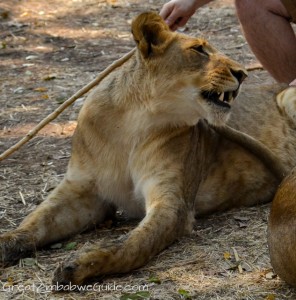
<point>291,8</point>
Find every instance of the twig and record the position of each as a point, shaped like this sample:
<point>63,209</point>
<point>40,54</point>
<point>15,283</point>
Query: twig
<point>223,28</point>
<point>67,103</point>
<point>40,267</point>
<point>254,67</point>
<point>237,259</point>
<point>236,46</point>
<point>23,199</point>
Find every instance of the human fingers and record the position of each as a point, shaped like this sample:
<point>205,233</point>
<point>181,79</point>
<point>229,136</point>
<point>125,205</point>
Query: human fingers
<point>181,22</point>
<point>174,27</point>
<point>293,83</point>
<point>166,10</point>
<point>174,19</point>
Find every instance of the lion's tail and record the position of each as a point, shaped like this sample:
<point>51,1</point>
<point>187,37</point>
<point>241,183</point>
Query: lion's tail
<point>268,158</point>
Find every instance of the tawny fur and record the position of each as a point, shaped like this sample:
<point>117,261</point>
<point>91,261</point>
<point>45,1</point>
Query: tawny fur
<point>282,219</point>
<point>142,144</point>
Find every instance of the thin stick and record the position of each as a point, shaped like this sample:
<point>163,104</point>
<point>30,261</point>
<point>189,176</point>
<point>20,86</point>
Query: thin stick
<point>23,199</point>
<point>254,67</point>
<point>240,269</point>
<point>67,103</point>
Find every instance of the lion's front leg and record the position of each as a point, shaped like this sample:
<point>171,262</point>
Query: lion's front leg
<point>165,221</point>
<point>69,209</point>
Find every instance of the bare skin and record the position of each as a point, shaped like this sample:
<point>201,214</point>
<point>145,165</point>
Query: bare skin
<point>269,33</point>
<point>270,36</point>
<point>176,13</point>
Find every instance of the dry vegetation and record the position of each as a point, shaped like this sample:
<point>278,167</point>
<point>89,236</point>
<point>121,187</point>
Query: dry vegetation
<point>50,49</point>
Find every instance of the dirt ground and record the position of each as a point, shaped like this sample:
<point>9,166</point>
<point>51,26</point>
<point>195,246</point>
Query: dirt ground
<point>50,49</point>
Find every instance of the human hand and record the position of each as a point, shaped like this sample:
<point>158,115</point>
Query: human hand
<point>176,13</point>
<point>293,83</point>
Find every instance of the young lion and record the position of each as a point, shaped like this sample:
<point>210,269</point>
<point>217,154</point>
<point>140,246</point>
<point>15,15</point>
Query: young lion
<point>282,219</point>
<point>142,144</point>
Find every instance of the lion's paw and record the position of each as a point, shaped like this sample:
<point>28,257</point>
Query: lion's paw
<point>90,262</point>
<point>66,274</point>
<point>286,101</point>
<point>15,245</point>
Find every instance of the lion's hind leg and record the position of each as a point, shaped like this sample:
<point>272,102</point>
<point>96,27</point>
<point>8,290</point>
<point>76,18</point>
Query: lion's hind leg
<point>286,101</point>
<point>71,208</point>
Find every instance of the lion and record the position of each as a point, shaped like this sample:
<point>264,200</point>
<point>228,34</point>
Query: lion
<point>146,143</point>
<point>282,221</point>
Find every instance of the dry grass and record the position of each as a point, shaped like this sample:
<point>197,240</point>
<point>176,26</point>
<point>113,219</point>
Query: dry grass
<point>75,39</point>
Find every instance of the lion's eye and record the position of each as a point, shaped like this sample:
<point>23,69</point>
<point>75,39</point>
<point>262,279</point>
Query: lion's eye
<point>200,49</point>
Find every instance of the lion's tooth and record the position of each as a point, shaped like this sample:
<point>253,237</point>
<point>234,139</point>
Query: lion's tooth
<point>221,97</point>
<point>226,97</point>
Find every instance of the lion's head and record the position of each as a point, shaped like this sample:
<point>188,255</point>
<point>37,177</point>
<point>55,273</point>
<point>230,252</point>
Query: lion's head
<point>189,79</point>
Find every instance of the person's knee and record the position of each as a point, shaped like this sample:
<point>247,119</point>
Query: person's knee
<point>246,9</point>
<point>250,9</point>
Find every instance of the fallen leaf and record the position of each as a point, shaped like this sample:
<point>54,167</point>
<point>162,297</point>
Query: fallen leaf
<point>10,281</point>
<point>70,246</point>
<point>61,100</point>
<point>29,261</point>
<point>4,14</point>
<point>246,267</point>
<point>270,275</point>
<point>25,14</point>
<point>40,89</point>
<point>135,296</point>
<point>154,279</point>
<point>184,294</point>
<point>56,246</point>
<point>45,97</point>
<point>242,225</point>
<point>227,255</point>
<point>50,77</point>
<point>241,218</point>
<point>18,90</point>
<point>32,57</point>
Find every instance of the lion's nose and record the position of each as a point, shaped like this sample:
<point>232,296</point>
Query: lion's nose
<point>240,75</point>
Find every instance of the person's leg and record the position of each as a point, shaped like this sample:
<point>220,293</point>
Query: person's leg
<point>270,35</point>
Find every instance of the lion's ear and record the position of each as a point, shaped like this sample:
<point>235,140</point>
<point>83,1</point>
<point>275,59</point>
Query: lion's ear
<point>151,34</point>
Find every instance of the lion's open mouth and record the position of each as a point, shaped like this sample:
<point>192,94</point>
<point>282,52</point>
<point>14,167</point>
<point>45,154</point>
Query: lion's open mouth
<point>223,99</point>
